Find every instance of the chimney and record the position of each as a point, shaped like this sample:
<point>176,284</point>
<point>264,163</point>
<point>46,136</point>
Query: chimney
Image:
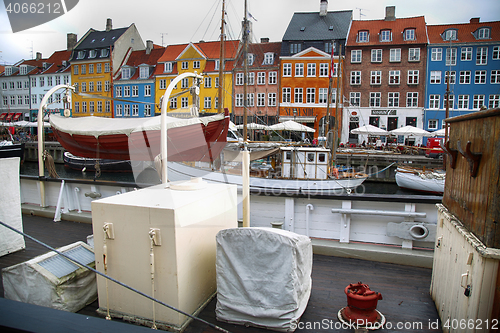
<point>71,40</point>
<point>323,7</point>
<point>390,13</point>
<point>38,56</point>
<point>474,20</point>
<point>109,24</point>
<point>149,46</point>
<point>264,40</point>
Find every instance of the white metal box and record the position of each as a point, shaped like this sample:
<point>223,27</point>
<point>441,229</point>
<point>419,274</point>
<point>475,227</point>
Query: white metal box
<point>184,255</point>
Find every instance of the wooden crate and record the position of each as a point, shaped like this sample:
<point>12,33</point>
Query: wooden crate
<point>472,189</point>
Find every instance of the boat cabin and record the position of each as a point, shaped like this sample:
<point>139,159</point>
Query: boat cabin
<point>304,162</point>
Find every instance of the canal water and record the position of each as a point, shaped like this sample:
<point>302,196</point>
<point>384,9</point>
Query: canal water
<point>31,169</point>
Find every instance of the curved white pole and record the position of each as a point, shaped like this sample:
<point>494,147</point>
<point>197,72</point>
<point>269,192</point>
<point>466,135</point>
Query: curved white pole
<point>43,106</point>
<point>163,127</point>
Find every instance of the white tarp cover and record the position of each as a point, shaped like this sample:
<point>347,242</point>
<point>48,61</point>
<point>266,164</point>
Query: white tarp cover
<point>263,277</point>
<point>97,126</point>
<point>10,206</point>
<point>30,282</point>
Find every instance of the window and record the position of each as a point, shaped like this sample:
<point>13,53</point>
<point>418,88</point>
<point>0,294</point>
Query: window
<point>268,58</point>
<point>483,33</point>
<point>167,67</point>
<point>33,100</point>
<point>466,53</point>
<point>412,99</point>
<point>477,101</point>
<point>356,56</point>
<point>335,69</point>
<point>84,107</point>
<point>322,95</point>
<point>413,77</point>
<point>451,75</point>
<point>287,69</point>
<point>135,91</point>
<point>83,69</point>
<point>196,64</point>
<point>216,82</point>
<point>12,85</point>
<point>239,100</point>
<point>251,79</point>
<point>286,95</point>
<point>99,107</point>
<point>328,47</point>
<point>355,98</point>
<point>126,111</point>
<point>261,99</point>
<point>410,34</point>
<point>208,82</point>
<point>126,73</point>
<point>295,48</point>
<point>376,77</point>
<point>450,35</point>
<point>98,68</point>
<point>435,77</point>
<point>185,65</point>
<point>271,99</point>
<point>147,90</point>
<point>482,56</point>
<point>311,95</point>
<point>126,91</point>
<point>385,36</point>
<point>250,59</point>
<point>184,103</point>
<point>363,37</point>
<point>239,79</point>
<point>118,91</point>
<point>91,68</point>
<point>355,77</point>
<point>298,98</point>
<point>395,55</point>
<point>375,99</point>
<point>393,100</point>
<point>147,110</point>
<point>184,83</point>
<point>414,54</point>
<point>91,86</point>
<point>217,65</point>
<point>20,83</point>
<point>394,77</point>
<point>495,76</point>
<point>496,53</point>
<point>451,57</point>
<point>66,79</point>
<point>104,53</point>
<point>323,70</point>
<point>42,83</point>
<point>450,101</point>
<point>432,124</point>
<point>434,101</point>
<point>463,102</point>
<point>464,77</point>
<point>107,106</point>
<point>13,100</point>
<point>58,80</point>
<point>377,55</point>
<point>480,77</point>
<point>23,70</point>
<point>311,70</point>
<point>273,77</point>
<point>107,67</point>
<point>107,86</point>
<point>261,78</point>
<point>80,55</point>
<point>216,102</point>
<point>299,69</point>
<point>494,101</point>
<point>207,102</point>
<point>20,100</point>
<point>173,104</point>
<point>77,107</point>
<point>99,86</point>
<point>143,72</point>
<point>250,99</point>
<point>33,84</point>
<point>92,53</point>
<point>436,54</point>
<point>84,86</point>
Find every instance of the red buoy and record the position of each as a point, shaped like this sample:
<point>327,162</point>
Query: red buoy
<point>361,306</point>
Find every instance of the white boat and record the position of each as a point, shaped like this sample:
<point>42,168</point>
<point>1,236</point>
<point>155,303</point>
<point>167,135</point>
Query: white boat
<point>430,181</point>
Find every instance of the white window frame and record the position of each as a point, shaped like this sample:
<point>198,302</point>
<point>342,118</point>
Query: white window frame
<point>375,78</point>
<point>299,70</point>
<point>466,53</point>
<point>271,99</point>
<point>436,54</point>
<point>393,99</point>
<point>261,78</point>
<point>482,55</point>
<point>355,78</point>
<point>310,95</point>
<point>323,69</point>
<point>273,78</point>
<point>261,99</point>
<point>356,56</point>
<point>412,99</point>
<point>287,69</point>
<point>434,101</point>
<point>298,95</point>
<point>376,55</point>
<point>375,99</point>
<point>413,77</point>
<point>395,55</point>
<point>286,95</point>
<point>311,70</point>
<point>435,77</point>
<point>414,54</point>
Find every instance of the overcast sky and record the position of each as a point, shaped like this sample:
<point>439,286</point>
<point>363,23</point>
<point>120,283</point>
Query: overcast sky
<point>182,21</point>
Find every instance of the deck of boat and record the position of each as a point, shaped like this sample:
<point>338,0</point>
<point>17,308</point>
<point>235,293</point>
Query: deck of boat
<point>406,305</point>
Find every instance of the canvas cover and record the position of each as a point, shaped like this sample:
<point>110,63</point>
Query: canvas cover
<point>34,281</point>
<point>263,277</point>
<point>10,206</point>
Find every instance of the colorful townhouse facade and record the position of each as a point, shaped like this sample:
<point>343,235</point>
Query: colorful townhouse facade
<point>469,56</point>
<point>263,82</point>
<point>136,83</point>
<point>385,75</point>
<point>95,63</point>
<point>308,46</point>
<point>202,58</point>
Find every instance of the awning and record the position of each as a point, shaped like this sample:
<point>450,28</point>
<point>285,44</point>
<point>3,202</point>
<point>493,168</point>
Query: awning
<point>3,116</point>
<point>9,117</point>
<point>17,116</point>
<point>298,119</point>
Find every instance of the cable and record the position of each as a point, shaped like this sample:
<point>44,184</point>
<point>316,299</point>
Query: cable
<point>115,281</point>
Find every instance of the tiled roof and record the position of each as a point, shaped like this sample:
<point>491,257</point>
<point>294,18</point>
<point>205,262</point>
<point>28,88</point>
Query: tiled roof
<point>100,39</point>
<point>56,60</point>
<point>312,26</point>
<point>465,32</point>
<point>172,52</point>
<point>259,50</point>
<point>140,58</point>
<point>397,27</point>
<point>212,49</point>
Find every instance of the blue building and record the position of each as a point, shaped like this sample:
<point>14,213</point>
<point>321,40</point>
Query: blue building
<point>134,88</point>
<point>469,54</point>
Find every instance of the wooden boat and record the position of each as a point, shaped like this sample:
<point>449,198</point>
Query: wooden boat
<point>429,181</point>
<point>9,149</point>
<point>138,139</point>
<point>89,164</point>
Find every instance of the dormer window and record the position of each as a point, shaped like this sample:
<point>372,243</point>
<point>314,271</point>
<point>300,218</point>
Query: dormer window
<point>483,33</point>
<point>65,63</point>
<point>92,54</point>
<point>45,65</point>
<point>168,67</point>
<point>250,59</point>
<point>81,55</point>
<point>450,34</point>
<point>23,70</point>
<point>303,29</point>
<point>268,58</point>
<point>104,53</point>
<point>125,73</point>
<point>409,34</point>
<point>363,37</point>
<point>8,71</point>
<point>385,36</point>
<point>143,72</point>
<point>217,64</point>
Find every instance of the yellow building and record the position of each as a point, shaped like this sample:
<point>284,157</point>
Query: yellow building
<point>95,61</point>
<point>202,58</point>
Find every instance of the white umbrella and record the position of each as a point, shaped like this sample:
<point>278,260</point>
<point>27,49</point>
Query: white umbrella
<point>291,125</point>
<point>232,126</point>
<point>253,126</point>
<point>369,130</point>
<point>440,132</point>
<point>410,130</point>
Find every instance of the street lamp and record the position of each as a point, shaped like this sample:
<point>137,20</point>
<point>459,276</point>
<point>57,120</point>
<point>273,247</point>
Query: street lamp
<point>294,115</point>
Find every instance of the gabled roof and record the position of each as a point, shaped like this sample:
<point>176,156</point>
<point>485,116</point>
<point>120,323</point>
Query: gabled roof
<point>397,27</point>
<point>100,39</point>
<point>139,57</point>
<point>35,67</point>
<point>312,26</point>
<point>172,52</point>
<point>212,49</point>
<point>56,61</point>
<point>465,32</point>
<point>259,50</point>
<point>194,49</point>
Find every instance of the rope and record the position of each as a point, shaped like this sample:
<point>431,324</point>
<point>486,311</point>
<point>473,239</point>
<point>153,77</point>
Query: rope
<point>50,165</point>
<point>113,280</point>
<point>371,174</point>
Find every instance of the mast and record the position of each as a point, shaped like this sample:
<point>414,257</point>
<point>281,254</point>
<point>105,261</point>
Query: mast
<point>245,168</point>
<point>245,75</point>
<point>328,100</point>
<point>338,95</point>
<point>221,61</point>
